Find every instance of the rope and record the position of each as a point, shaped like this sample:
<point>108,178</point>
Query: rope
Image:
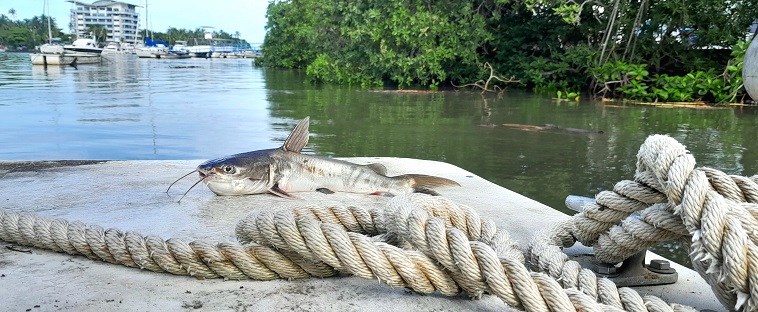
<point>453,250</point>
<point>432,244</point>
<point>716,213</point>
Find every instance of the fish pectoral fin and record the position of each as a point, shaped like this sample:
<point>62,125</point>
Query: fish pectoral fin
<point>279,192</point>
<point>324,190</point>
<point>298,138</point>
<point>378,168</point>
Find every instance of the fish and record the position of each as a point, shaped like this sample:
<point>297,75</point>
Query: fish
<point>285,170</point>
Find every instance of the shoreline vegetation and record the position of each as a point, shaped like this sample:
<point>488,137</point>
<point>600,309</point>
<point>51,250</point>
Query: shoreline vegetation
<point>647,51</point>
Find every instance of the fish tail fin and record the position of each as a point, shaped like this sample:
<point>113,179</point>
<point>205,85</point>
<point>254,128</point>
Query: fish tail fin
<point>426,183</point>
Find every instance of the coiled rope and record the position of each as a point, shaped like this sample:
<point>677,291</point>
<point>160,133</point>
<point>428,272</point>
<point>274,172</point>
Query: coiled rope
<point>453,250</point>
<point>715,212</point>
<point>448,247</point>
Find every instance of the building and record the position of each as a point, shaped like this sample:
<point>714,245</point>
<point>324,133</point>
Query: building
<point>120,20</point>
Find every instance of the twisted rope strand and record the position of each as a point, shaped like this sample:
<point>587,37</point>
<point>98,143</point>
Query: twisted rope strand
<point>717,213</point>
<point>718,237</point>
<point>474,266</point>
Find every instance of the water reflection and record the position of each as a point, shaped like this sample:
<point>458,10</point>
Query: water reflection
<point>133,108</point>
<point>129,108</point>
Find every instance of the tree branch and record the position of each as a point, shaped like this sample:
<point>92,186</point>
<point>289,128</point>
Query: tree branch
<point>485,85</point>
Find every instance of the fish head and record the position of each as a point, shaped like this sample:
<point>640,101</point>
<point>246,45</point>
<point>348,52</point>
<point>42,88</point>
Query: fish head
<point>239,174</point>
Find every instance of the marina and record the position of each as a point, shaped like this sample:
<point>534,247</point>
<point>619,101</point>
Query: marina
<point>121,38</point>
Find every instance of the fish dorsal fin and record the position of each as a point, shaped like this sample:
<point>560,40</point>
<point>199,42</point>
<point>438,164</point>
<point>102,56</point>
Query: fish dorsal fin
<point>298,138</point>
<point>378,168</point>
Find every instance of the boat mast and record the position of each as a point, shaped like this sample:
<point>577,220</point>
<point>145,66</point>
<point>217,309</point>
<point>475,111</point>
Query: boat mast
<point>146,22</point>
<point>49,30</point>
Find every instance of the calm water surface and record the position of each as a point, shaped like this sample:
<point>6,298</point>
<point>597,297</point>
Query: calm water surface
<point>129,108</point>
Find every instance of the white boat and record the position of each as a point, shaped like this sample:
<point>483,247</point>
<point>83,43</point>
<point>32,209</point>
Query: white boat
<point>156,51</point>
<point>151,49</point>
<point>66,58</point>
<point>3,48</point>
<point>201,51</point>
<point>51,48</point>
<point>179,47</point>
<point>83,45</point>
<point>217,48</point>
<point>53,53</point>
<point>118,48</point>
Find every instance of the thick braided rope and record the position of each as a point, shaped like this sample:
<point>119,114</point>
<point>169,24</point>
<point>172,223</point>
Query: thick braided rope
<point>202,260</point>
<point>723,250</point>
<point>475,266</point>
<point>545,255</point>
<point>686,202</point>
<point>610,207</point>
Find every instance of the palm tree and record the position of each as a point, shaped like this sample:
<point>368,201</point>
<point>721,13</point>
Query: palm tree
<point>98,31</point>
<point>12,12</point>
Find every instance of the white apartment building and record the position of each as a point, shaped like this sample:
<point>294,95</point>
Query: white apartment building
<point>120,19</point>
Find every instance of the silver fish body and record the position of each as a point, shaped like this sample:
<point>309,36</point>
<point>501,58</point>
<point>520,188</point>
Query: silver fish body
<point>285,170</point>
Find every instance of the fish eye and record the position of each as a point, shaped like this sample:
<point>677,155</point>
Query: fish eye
<point>228,169</point>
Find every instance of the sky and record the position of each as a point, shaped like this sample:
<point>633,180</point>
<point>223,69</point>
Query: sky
<point>246,16</point>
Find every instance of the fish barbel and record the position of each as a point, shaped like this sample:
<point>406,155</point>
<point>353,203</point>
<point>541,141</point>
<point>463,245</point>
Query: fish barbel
<point>285,170</point>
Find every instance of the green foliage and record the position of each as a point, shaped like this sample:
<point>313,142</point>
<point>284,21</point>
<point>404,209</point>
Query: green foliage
<point>543,51</point>
<point>733,74</point>
<point>98,31</point>
<point>325,69</point>
<point>28,32</point>
<point>684,34</point>
<point>546,44</point>
<point>568,95</point>
<point>633,82</point>
<point>411,42</point>
<point>404,42</point>
<point>568,12</point>
<point>619,73</point>
<point>636,90</point>
<point>297,31</point>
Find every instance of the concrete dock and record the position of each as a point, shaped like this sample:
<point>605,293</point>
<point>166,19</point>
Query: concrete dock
<point>130,196</point>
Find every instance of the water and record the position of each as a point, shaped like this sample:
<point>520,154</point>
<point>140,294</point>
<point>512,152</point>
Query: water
<point>131,108</point>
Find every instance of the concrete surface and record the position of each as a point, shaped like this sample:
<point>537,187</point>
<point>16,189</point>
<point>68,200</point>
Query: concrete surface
<point>129,195</point>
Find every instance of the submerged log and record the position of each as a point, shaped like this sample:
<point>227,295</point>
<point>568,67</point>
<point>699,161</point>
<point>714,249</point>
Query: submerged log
<point>552,127</point>
<point>525,127</point>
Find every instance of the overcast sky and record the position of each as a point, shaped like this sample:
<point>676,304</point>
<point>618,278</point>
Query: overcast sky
<point>246,16</point>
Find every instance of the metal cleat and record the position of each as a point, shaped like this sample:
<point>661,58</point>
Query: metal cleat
<point>631,272</point>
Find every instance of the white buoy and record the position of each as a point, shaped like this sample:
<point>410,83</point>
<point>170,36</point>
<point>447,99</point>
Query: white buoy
<point>750,70</point>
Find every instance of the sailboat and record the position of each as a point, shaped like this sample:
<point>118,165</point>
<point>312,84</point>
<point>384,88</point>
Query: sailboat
<point>53,53</point>
<point>152,49</point>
